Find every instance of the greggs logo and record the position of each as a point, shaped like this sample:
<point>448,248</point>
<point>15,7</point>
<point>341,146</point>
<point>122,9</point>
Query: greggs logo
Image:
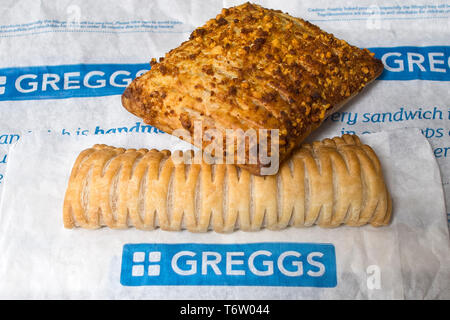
<point>67,81</point>
<point>415,63</point>
<point>249,264</point>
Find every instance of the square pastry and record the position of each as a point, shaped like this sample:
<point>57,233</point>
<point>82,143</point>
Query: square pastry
<point>251,73</point>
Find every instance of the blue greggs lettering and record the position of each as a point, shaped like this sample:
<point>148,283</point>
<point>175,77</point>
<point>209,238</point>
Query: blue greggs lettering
<point>413,63</point>
<point>250,264</point>
<point>67,81</point>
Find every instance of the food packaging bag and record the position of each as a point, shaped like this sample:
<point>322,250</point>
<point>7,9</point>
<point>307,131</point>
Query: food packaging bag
<point>409,259</point>
<point>63,68</point>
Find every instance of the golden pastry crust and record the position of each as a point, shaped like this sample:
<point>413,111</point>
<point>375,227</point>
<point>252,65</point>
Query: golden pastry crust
<point>329,183</point>
<point>252,68</point>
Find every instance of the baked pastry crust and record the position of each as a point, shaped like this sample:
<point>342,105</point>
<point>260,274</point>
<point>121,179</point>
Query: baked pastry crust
<point>329,183</point>
<point>252,68</point>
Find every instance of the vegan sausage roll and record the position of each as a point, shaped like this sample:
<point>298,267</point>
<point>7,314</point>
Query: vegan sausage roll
<point>329,183</point>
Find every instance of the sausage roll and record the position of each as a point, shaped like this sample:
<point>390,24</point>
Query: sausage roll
<point>329,183</point>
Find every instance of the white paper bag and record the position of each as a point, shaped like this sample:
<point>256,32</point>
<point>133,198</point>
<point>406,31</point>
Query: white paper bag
<point>63,68</point>
<point>410,258</point>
